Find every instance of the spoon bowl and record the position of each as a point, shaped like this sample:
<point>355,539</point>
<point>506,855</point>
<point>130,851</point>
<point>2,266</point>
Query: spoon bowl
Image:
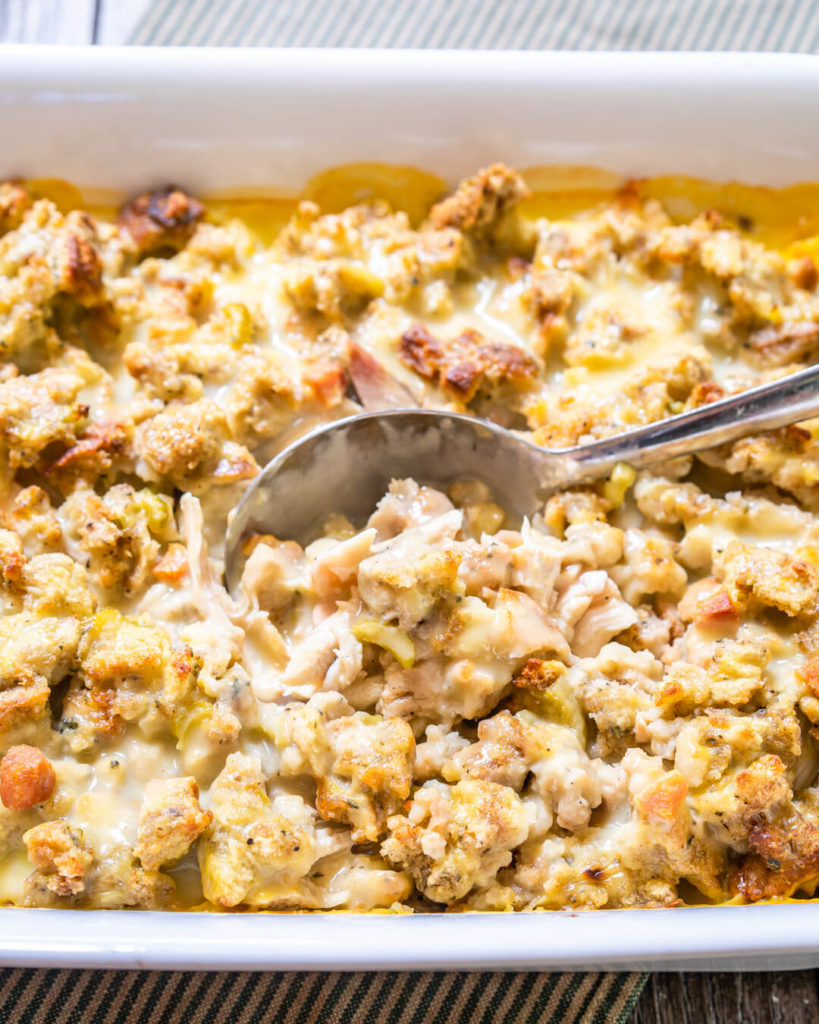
<point>346,466</point>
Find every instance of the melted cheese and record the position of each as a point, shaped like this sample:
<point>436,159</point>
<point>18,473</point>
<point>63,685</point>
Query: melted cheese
<point>101,794</point>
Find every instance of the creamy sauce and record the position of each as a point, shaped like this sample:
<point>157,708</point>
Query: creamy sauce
<point>246,657</point>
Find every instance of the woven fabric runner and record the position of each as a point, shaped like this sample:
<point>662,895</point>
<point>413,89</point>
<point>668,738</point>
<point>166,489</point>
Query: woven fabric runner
<point>785,25</point>
<point>183,997</point>
<point>128,997</point>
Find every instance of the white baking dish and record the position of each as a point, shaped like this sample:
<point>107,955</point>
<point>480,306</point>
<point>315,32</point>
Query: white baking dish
<point>214,120</point>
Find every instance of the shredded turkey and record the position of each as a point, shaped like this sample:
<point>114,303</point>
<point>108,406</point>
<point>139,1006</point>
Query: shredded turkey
<point>611,703</point>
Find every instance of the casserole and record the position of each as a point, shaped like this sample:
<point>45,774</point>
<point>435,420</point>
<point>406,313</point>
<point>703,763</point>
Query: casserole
<point>175,129</point>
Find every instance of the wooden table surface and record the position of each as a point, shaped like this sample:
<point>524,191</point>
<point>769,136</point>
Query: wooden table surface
<point>784,998</point>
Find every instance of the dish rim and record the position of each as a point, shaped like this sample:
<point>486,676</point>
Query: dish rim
<point>50,80</point>
<point>732,938</point>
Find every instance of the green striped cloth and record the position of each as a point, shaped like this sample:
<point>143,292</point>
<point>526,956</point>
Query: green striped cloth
<point>185,997</point>
<point>785,25</point>
<point>128,997</point>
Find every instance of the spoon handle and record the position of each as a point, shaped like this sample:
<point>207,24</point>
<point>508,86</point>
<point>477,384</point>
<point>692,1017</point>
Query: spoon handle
<point>777,404</point>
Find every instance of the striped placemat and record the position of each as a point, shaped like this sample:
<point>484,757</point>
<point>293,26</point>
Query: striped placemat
<point>784,25</point>
<point>184,997</point>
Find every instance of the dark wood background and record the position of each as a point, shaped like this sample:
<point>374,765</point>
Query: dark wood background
<point>783,998</point>
<point>786,997</point>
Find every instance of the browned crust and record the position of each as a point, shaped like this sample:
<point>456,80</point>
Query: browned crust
<point>421,352</point>
<point>23,703</point>
<point>773,579</point>
<point>12,559</point>
<point>467,363</point>
<point>479,202</point>
<point>785,856</point>
<point>804,273</point>
<point>14,201</point>
<point>100,444</point>
<point>171,820</point>
<point>538,674</point>
<point>705,392</point>
<point>60,855</point>
<point>784,846</point>
<point>780,344</point>
<point>82,270</point>
<point>163,219</point>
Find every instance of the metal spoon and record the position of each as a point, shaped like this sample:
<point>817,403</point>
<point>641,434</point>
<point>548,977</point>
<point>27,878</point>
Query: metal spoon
<point>346,466</point>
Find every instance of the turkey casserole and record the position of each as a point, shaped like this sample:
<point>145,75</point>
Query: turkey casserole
<point>615,704</point>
